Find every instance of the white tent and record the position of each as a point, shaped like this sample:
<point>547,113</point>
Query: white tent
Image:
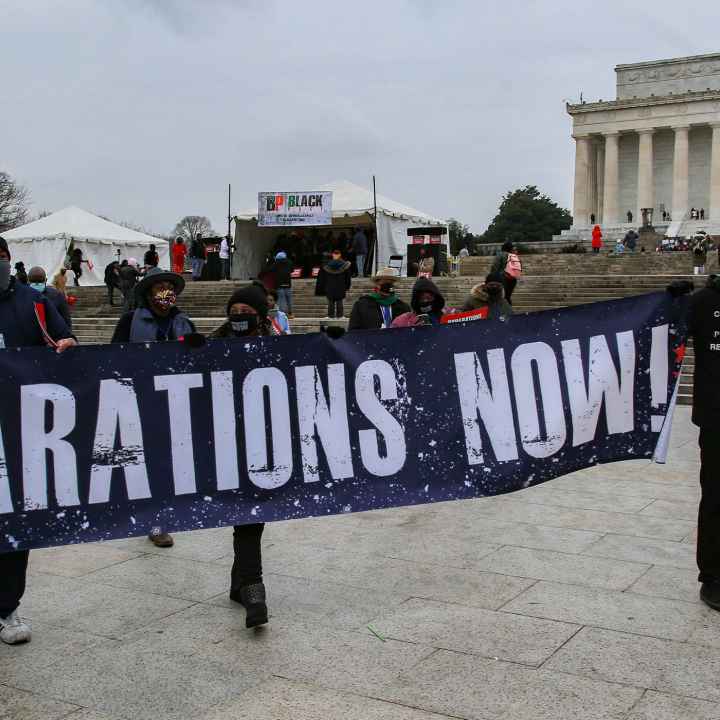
<point>351,204</point>
<point>44,242</point>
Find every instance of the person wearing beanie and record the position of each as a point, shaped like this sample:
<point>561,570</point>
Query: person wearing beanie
<point>247,317</point>
<point>21,326</point>
<point>156,319</point>
<point>490,295</point>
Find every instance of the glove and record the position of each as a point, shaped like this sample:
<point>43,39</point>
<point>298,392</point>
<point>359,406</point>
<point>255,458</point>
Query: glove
<point>680,287</point>
<point>194,340</point>
<point>334,332</point>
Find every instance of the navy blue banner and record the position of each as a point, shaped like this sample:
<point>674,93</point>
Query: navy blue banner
<point>108,441</point>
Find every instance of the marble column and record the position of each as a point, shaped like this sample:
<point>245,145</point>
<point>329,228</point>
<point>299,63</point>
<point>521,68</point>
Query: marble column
<point>646,191</point>
<point>715,175</point>
<point>581,199</point>
<point>611,180</point>
<point>680,196</point>
<point>600,179</point>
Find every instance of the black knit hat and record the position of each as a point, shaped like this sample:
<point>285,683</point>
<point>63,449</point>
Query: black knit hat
<point>4,247</point>
<point>251,295</point>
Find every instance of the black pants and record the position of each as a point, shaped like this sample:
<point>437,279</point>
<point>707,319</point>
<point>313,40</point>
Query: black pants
<point>596,251</point>
<point>247,567</point>
<point>335,308</point>
<point>509,283</point>
<point>111,292</point>
<point>13,569</point>
<point>708,544</point>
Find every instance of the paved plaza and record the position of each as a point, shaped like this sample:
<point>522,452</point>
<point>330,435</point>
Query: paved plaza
<point>573,599</point>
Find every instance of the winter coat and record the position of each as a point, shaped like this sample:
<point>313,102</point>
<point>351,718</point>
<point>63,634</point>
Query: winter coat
<point>597,237</point>
<point>197,249</point>
<point>410,319</point>
<point>360,243</point>
<point>333,280</point>
<point>703,324</point>
<point>128,278</point>
<point>699,253</point>
<point>283,273</point>
<point>492,296</point>
<point>499,263</point>
<point>366,313</point>
<point>56,298</point>
<point>19,326</point>
<point>141,325</point>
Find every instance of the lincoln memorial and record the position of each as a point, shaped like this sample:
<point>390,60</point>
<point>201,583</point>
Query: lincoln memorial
<point>657,145</point>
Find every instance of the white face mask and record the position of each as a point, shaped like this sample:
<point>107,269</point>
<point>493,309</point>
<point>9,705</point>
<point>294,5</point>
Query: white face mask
<point>5,271</point>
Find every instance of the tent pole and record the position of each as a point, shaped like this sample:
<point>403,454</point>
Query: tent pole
<point>229,215</point>
<point>377,244</point>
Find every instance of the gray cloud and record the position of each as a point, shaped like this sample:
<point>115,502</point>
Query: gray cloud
<point>144,110</point>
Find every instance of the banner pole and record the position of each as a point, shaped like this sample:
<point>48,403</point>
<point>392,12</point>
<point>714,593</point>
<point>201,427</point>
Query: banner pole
<point>229,215</point>
<point>377,243</point>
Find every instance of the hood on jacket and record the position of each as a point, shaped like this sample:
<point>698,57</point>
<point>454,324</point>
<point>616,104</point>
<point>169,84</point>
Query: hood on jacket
<point>488,292</point>
<point>425,285</point>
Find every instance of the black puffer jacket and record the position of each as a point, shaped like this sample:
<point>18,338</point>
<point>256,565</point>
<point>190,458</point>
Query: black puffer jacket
<point>334,280</point>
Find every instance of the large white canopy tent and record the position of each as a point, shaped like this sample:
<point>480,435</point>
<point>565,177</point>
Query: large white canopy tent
<point>351,204</point>
<point>44,242</point>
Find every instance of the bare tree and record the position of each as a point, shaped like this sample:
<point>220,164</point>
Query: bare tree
<point>191,226</point>
<point>13,203</point>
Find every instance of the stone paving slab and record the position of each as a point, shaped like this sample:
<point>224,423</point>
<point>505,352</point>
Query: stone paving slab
<point>584,589</point>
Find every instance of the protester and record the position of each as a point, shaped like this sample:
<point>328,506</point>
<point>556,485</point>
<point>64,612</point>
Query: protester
<point>508,265</point>
<point>59,281</point>
<point>282,269</point>
<point>179,251</point>
<point>224,255</point>
<point>379,308</point>
<point>333,282</point>
<point>359,246</point>
<point>247,316</point>
<point>112,279</point>
<point>490,295</point>
<point>277,317</point>
<point>699,252</point>
<point>596,239</point>
<point>197,257</point>
<point>425,265</point>
<point>427,306</point>
<point>630,241</point>
<point>20,274</point>
<point>21,324</point>
<point>156,319</point>
<point>37,279</point>
<point>619,247</point>
<point>128,278</point>
<point>151,259</point>
<point>76,261</point>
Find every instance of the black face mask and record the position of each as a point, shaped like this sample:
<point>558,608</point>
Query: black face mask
<point>386,288</point>
<point>243,323</point>
<point>426,308</point>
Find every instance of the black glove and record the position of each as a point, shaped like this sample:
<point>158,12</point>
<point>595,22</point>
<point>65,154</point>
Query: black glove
<point>334,332</point>
<point>194,340</point>
<point>680,287</point>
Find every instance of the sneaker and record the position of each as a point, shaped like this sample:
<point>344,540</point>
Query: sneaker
<point>710,594</point>
<point>252,598</point>
<point>161,539</point>
<point>13,630</point>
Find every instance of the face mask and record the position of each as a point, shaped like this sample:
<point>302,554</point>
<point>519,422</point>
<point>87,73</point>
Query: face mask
<point>386,288</point>
<point>426,308</point>
<point>40,287</point>
<point>164,299</point>
<point>244,323</point>
<point>4,275</point>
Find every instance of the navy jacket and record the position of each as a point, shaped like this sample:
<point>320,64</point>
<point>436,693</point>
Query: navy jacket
<point>19,326</point>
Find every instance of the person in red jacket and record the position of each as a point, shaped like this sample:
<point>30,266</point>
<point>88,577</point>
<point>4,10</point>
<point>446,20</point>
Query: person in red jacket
<point>179,251</point>
<point>596,239</point>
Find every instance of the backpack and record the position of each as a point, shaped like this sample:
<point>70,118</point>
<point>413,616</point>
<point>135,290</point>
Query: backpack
<point>513,266</point>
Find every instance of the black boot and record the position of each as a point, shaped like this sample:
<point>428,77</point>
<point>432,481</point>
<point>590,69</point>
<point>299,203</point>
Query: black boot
<point>710,594</point>
<point>252,598</point>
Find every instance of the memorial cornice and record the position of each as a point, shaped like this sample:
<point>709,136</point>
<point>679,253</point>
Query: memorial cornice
<point>654,101</point>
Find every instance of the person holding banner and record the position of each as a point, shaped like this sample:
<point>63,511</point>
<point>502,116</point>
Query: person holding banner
<point>26,318</point>
<point>427,303</point>
<point>379,308</point>
<point>247,316</point>
<point>156,319</point>
<point>490,295</point>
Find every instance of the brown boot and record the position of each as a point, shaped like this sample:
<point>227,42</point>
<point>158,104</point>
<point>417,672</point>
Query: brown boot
<point>160,539</point>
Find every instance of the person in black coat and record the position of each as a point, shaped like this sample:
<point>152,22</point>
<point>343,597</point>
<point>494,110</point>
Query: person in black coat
<point>282,268</point>
<point>112,279</point>
<point>21,325</point>
<point>37,279</point>
<point>333,282</point>
<point>379,308</point>
<point>151,259</point>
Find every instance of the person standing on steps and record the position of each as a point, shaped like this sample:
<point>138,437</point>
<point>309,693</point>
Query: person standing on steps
<point>21,325</point>
<point>179,251</point>
<point>380,307</point>
<point>699,252</point>
<point>508,265</point>
<point>156,319</point>
<point>151,259</point>
<point>282,268</point>
<point>224,256</point>
<point>277,317</point>
<point>197,257</point>
<point>359,246</point>
<point>333,282</point>
<point>37,280</point>
<point>247,317</point>
<point>596,239</point>
<point>128,277</point>
<point>112,280</point>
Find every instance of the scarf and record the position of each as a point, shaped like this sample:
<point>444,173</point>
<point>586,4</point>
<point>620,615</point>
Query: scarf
<point>382,300</point>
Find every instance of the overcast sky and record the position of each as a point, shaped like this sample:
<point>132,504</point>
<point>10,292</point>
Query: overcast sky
<point>144,110</point>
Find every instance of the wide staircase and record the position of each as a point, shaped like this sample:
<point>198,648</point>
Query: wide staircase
<point>539,289</point>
